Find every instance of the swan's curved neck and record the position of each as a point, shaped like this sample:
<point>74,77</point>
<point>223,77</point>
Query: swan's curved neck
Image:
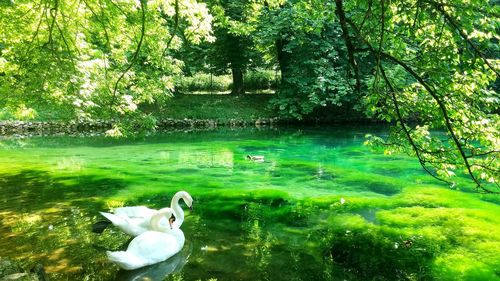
<point>178,212</point>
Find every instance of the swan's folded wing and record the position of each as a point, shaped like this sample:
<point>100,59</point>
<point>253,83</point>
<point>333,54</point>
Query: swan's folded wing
<point>131,226</point>
<point>134,212</point>
<point>114,219</point>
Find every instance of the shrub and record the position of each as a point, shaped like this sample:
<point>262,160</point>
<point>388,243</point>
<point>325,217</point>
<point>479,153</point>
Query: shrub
<point>203,82</point>
<point>255,80</point>
<point>260,80</point>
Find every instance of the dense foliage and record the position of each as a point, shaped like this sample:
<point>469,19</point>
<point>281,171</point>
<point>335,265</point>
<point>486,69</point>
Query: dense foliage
<point>311,58</point>
<point>93,58</point>
<point>423,65</point>
<point>434,71</point>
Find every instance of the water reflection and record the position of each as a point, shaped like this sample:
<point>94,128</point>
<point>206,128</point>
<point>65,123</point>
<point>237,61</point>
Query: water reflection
<point>159,271</point>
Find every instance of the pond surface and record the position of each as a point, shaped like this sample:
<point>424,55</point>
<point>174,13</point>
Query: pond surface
<point>320,207</point>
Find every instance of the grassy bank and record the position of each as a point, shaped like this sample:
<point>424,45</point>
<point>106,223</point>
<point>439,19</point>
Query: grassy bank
<point>221,107</point>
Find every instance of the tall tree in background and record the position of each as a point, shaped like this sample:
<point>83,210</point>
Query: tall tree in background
<point>312,58</point>
<point>232,30</point>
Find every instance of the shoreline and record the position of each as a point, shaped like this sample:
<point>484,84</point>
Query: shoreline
<point>36,128</point>
<point>99,127</point>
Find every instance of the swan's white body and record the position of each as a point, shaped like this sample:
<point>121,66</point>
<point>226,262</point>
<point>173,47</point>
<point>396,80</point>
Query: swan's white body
<point>152,246</point>
<point>136,220</point>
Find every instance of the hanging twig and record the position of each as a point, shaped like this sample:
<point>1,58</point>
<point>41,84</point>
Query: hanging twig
<point>444,111</point>
<point>176,26</point>
<point>403,126</point>
<point>134,57</point>
<point>367,14</point>
<point>53,14</point>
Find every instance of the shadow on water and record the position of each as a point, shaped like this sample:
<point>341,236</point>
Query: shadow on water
<point>48,219</point>
<point>34,190</point>
<point>366,255</point>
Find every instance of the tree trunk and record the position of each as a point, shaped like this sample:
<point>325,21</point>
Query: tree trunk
<point>347,39</point>
<point>284,60</point>
<point>238,85</point>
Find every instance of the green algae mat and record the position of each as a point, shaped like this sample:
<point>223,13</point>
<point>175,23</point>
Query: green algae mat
<point>321,206</point>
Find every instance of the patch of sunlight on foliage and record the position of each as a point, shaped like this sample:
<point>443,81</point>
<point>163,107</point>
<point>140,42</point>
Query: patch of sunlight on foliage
<point>24,113</point>
<point>111,204</point>
<point>436,197</point>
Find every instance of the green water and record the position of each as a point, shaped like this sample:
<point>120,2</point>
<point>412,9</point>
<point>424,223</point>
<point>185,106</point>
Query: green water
<point>277,220</point>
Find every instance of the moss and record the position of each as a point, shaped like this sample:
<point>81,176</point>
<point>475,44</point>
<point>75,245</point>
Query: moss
<point>376,252</point>
<point>234,204</point>
<point>461,265</point>
<point>384,185</point>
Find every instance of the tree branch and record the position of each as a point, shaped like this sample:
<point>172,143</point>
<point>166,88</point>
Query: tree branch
<point>436,98</point>
<point>136,53</point>
<point>347,39</point>
<point>406,131</point>
<point>176,26</point>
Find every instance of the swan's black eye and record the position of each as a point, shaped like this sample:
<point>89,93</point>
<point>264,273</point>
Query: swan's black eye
<point>172,218</point>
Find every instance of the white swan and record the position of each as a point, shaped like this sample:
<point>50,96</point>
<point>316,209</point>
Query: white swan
<point>152,246</point>
<point>158,271</point>
<point>136,220</point>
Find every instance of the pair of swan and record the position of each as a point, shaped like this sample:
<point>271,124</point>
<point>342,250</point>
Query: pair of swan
<point>155,241</point>
<point>152,246</point>
<point>136,220</point>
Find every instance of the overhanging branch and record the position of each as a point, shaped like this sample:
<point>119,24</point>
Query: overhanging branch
<point>136,53</point>
<point>453,23</point>
<point>435,97</point>
<point>347,39</point>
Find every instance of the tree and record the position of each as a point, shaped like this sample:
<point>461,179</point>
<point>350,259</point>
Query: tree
<point>432,73</point>
<point>314,71</point>
<point>232,46</point>
<point>94,58</point>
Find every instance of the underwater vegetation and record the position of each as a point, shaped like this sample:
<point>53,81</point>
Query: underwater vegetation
<point>321,205</point>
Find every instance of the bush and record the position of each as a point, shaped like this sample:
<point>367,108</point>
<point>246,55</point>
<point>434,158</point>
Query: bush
<point>261,80</point>
<point>203,82</point>
<point>257,80</point>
